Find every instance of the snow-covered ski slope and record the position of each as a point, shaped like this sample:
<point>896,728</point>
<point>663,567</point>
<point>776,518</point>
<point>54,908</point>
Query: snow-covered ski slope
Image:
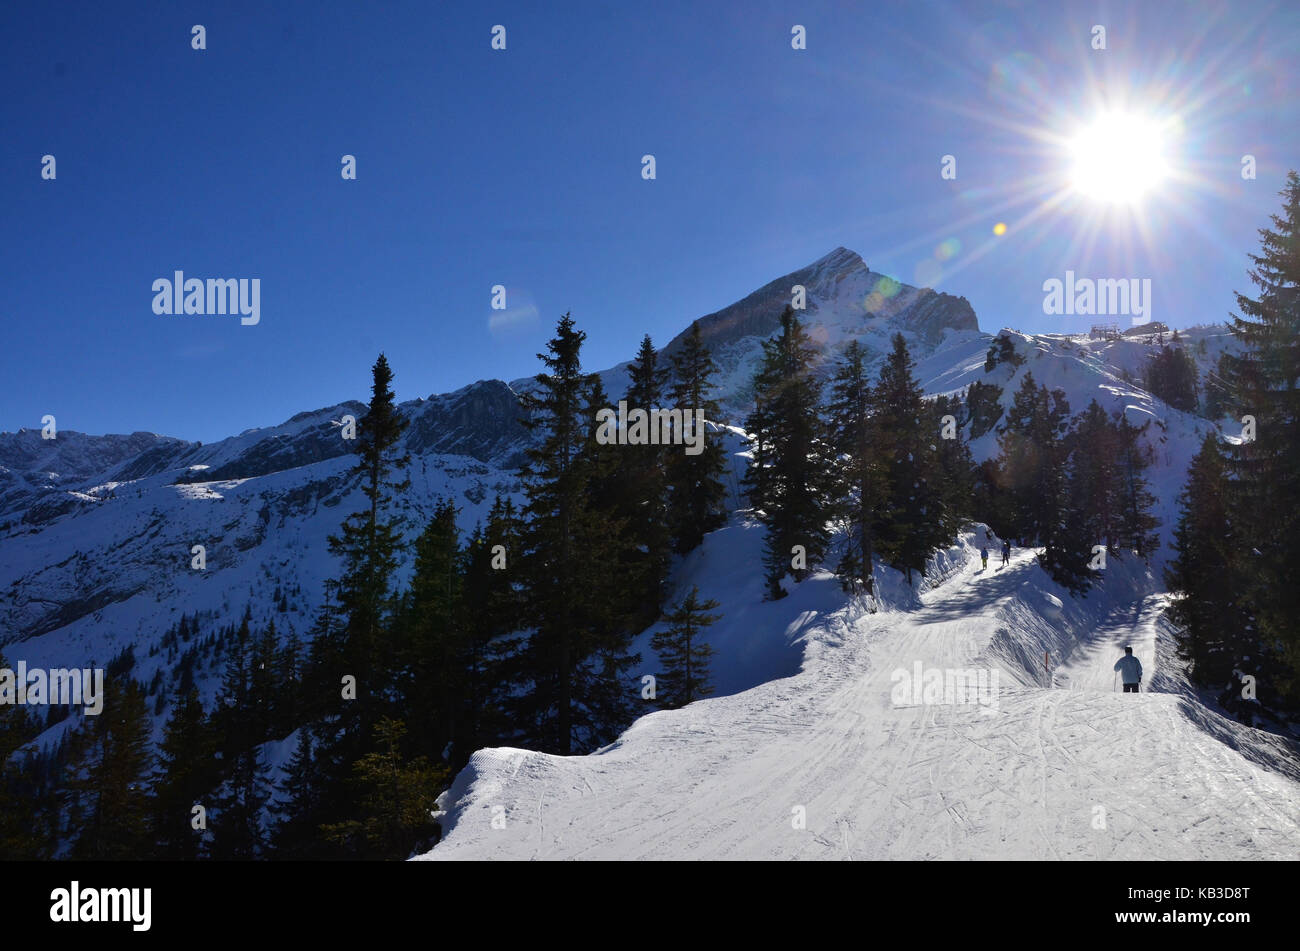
<point>1052,764</point>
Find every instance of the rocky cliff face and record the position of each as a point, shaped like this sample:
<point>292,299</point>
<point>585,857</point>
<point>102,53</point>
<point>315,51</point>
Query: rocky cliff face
<point>482,421</point>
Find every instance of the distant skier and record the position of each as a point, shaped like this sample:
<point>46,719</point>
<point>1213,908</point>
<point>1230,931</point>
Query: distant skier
<point>1130,669</point>
<point>984,556</point>
<point>1006,551</point>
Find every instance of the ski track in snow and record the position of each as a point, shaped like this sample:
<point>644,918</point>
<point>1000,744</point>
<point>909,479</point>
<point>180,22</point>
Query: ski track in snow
<point>1030,779</point>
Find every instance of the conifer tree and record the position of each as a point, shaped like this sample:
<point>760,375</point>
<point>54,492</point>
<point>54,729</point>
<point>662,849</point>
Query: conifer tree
<point>186,777</point>
<point>992,500</point>
<point>298,808</point>
<point>264,687</point>
<point>324,666</point>
<point>954,478</point>
<point>1032,459</point>
<point>237,828</point>
<point>983,407</point>
<point>369,544</point>
<point>684,656</point>
<point>20,831</point>
<point>396,799</point>
<point>697,494</point>
<point>1068,545</point>
<point>351,666</point>
<point>641,473</point>
<point>618,539</point>
<point>1003,350</point>
<point>1171,375</point>
<point>434,662</point>
<point>1137,524</point>
<point>1095,484</point>
<point>107,786</point>
<point>860,479</point>
<point>789,480</point>
<point>606,615</point>
<point>1218,394</point>
<point>910,525</point>
<point>1263,473</point>
<point>558,527</point>
<point>1207,610</point>
<point>289,662</point>
<point>493,603</point>
<point>1033,466</point>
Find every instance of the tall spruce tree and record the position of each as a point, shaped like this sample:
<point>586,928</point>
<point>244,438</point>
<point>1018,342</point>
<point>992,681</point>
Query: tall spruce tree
<point>369,544</point>
<point>494,602</point>
<point>642,501</point>
<point>1133,457</point>
<point>607,614</point>
<point>1263,473</point>
<point>1069,540</point>
<point>434,665</point>
<point>186,777</point>
<point>1033,453</point>
<point>1094,483</point>
<point>860,477</point>
<point>954,478</point>
<point>559,527</point>
<point>107,785</point>
<point>1033,468</point>
<point>1207,609</point>
<point>349,677</point>
<point>909,527</point>
<point>237,828</point>
<point>789,480</point>
<point>697,493</point>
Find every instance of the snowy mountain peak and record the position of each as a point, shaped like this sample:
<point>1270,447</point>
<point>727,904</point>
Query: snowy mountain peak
<point>841,259</point>
<point>844,299</point>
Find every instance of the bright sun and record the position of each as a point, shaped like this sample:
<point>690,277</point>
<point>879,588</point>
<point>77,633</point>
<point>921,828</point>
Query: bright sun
<point>1119,158</point>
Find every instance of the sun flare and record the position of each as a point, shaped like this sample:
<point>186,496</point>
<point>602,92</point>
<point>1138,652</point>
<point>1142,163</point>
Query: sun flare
<point>1119,158</point>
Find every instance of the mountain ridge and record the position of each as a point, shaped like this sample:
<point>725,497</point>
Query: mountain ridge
<point>481,419</point>
<point>95,538</point>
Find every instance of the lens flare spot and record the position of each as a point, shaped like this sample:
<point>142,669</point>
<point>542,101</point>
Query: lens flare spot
<point>928,273</point>
<point>1000,228</point>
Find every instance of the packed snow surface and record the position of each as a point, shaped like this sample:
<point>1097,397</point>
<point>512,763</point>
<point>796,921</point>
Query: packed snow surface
<point>1053,764</point>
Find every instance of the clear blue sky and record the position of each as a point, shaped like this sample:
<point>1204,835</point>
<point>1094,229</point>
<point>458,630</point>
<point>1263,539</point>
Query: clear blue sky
<point>523,168</point>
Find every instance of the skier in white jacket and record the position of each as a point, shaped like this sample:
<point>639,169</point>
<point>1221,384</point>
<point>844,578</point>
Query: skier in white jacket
<point>1130,669</point>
